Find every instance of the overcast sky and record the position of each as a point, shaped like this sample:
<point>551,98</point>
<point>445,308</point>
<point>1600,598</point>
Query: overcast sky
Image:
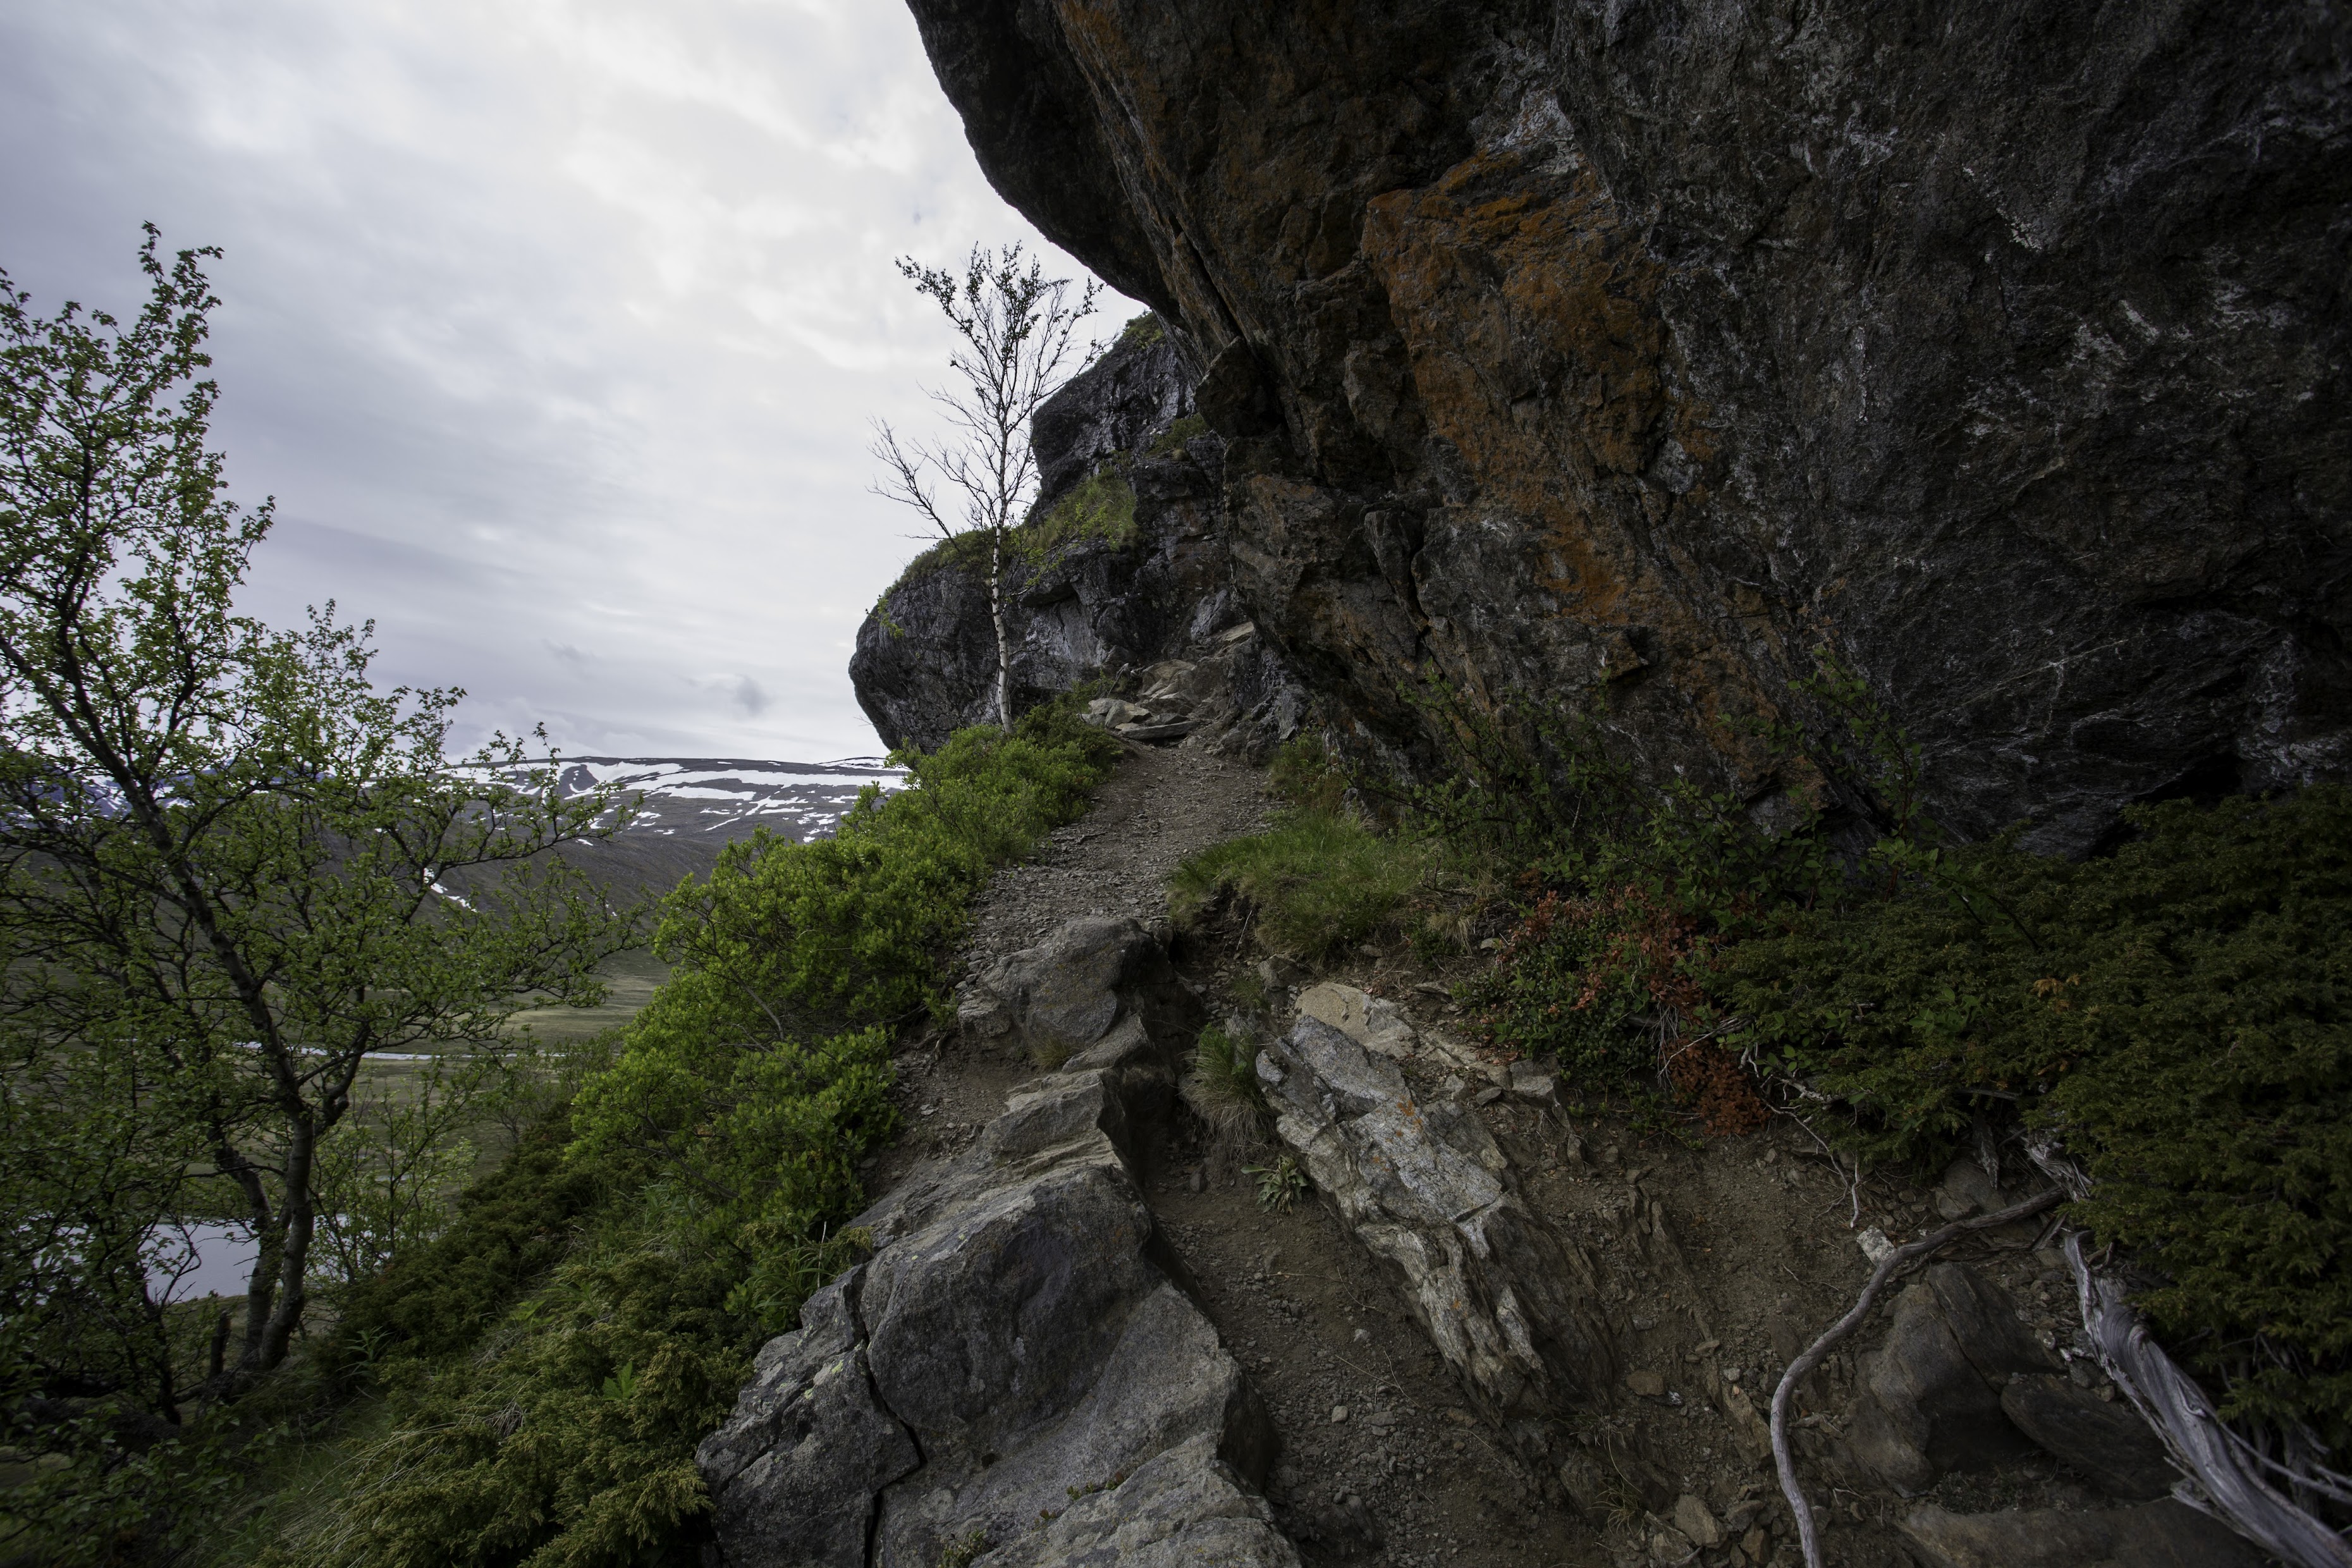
<point>554,325</point>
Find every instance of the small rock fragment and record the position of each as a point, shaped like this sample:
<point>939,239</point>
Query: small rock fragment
<point>1692,1518</point>
<point>1873,1244</point>
<point>1338,1415</point>
<point>1647,1385</point>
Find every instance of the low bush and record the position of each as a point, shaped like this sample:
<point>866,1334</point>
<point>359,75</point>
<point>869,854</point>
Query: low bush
<point>2178,1012</point>
<point>509,1230</point>
<point>810,939</point>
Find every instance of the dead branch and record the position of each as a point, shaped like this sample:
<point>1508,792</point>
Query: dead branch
<point>2200,1445</point>
<point>1784,1396</point>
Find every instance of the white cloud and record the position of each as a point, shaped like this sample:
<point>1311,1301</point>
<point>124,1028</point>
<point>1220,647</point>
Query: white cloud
<point>554,325</point>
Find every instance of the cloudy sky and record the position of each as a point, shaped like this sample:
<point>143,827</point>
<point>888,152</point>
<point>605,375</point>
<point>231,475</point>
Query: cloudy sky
<point>554,325</point>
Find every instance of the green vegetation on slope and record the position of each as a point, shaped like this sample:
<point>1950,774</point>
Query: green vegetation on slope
<point>542,1372</point>
<point>2178,1013</point>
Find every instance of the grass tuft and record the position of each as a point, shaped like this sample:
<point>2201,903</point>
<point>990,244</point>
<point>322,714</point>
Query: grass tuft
<point>1222,1091</point>
<point>1313,885</point>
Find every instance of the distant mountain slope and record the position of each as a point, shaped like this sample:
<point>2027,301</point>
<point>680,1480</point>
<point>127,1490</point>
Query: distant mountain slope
<point>688,808</point>
<point>724,798</point>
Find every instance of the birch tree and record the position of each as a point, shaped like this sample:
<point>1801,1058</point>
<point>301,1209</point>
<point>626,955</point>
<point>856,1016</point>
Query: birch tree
<point>231,869</point>
<point>1019,338</point>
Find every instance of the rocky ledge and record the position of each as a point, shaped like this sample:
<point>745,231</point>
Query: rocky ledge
<point>1014,1379</point>
<point>1142,595</point>
<point>1022,1373</point>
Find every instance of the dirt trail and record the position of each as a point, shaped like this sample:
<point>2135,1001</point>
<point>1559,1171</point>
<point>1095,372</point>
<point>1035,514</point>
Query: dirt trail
<point>1718,1262</point>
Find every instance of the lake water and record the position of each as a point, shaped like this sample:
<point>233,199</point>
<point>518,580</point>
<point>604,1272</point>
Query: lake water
<point>224,1257</point>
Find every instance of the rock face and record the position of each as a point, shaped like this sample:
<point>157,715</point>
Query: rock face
<point>2154,1535</point>
<point>1931,1397</point>
<point>2107,1441</point>
<point>1011,1344</point>
<point>1627,353</point>
<point>1507,1300</point>
<point>1155,598</point>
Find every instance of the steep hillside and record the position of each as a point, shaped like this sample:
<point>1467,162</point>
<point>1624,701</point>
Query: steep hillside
<point>1640,348</point>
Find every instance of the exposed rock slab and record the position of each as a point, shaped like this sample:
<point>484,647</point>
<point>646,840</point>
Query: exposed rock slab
<point>797,1467</point>
<point>2108,1441</point>
<point>1506,1300</point>
<point>2154,1535</point>
<point>1930,1398</point>
<point>1012,1344</point>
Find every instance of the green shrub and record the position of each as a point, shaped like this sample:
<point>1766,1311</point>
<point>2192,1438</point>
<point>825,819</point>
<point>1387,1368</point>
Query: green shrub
<point>2179,1012</point>
<point>1101,507</point>
<point>812,940</point>
<point>1172,441</point>
<point>1142,331</point>
<point>1313,884</point>
<point>510,1229</point>
<point>568,1436</point>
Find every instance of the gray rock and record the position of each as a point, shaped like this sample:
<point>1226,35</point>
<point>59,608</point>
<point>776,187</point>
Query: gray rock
<point>2153,1535</point>
<point>1093,983</point>
<point>2107,1441</point>
<point>797,1467</point>
<point>1929,1401</point>
<point>1181,1509</point>
<point>1136,390</point>
<point>1510,1302</point>
<point>1966,1190</point>
<point>1012,1344</point>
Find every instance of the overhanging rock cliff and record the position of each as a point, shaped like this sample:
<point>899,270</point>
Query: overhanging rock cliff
<point>1633,351</point>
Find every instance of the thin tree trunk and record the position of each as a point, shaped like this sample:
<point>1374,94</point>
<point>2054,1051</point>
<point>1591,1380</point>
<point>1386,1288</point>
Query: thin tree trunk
<point>996,614</point>
<point>294,1260</point>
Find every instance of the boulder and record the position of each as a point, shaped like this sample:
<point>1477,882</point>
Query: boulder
<point>2107,1441</point>
<point>1506,1298</point>
<point>1152,581</point>
<point>1931,1399</point>
<point>1012,1344</point>
<point>797,1467</point>
<point>2154,1535</point>
<point>1095,984</point>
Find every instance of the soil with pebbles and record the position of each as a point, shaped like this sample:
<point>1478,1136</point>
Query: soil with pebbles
<point>1720,1260</point>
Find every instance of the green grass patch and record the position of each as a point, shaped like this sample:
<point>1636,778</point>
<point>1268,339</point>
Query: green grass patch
<point>1099,508</point>
<point>1314,884</point>
<point>1142,331</point>
<point>1170,442</point>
